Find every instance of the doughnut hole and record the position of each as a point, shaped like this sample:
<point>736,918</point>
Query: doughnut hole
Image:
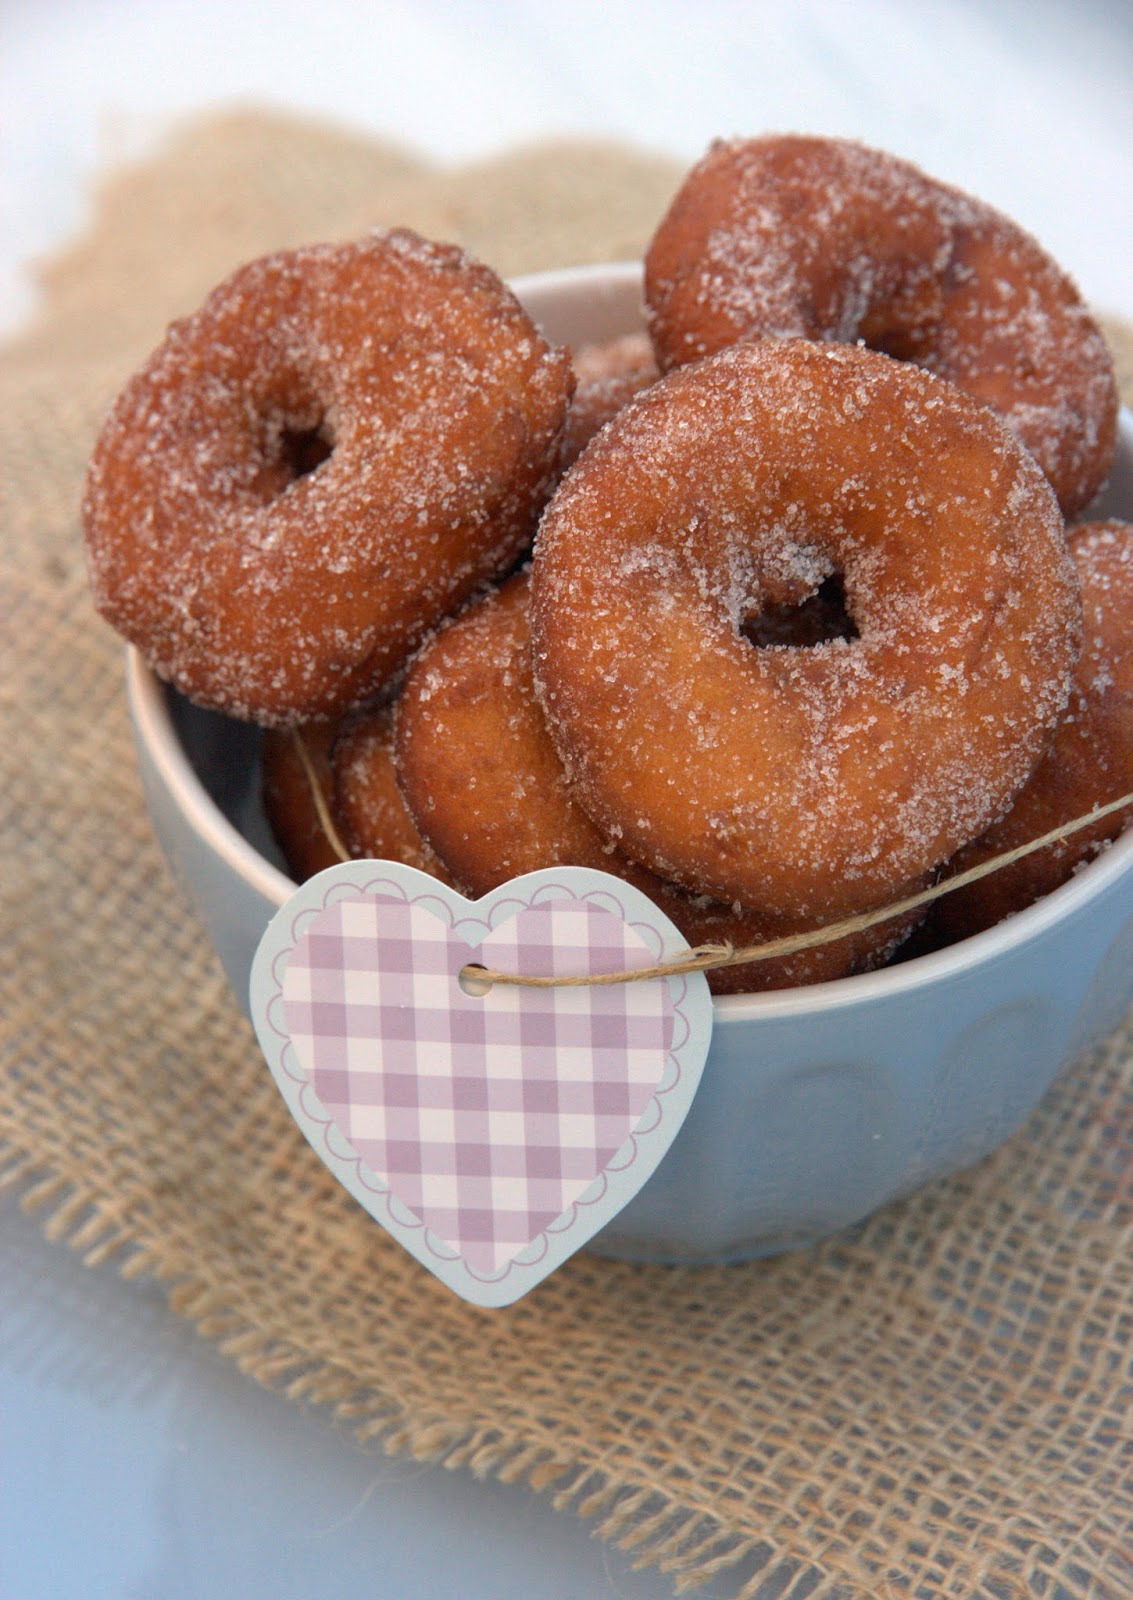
<point>811,782</point>
<point>318,466</point>
<point>480,774</point>
<point>790,236</point>
<point>294,439</point>
<point>814,619</point>
<point>304,450</point>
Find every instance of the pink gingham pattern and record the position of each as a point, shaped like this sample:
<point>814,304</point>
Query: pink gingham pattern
<point>487,1116</point>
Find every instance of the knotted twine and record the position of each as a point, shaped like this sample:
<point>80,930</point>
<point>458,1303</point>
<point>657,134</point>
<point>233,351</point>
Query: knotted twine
<point>935,1403</point>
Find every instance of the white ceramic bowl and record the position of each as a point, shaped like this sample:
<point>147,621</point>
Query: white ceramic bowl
<point>817,1105</point>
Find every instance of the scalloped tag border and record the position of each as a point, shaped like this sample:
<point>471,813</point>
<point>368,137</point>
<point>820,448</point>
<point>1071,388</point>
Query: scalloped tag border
<point>624,1174</point>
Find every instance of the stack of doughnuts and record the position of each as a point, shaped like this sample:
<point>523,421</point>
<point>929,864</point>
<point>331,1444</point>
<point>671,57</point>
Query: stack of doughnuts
<point>770,611</point>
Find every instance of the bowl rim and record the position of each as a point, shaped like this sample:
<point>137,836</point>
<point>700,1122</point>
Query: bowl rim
<point>155,731</point>
<point>617,274</point>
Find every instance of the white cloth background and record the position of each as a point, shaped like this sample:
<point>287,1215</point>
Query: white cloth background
<point>1025,102</point>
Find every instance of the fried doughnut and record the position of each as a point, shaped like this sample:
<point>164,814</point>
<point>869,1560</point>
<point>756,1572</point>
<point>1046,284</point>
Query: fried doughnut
<point>466,707</point>
<point>362,742</point>
<point>316,467</point>
<point>807,781</point>
<point>1090,762</point>
<point>285,793</point>
<point>790,236</point>
<point>481,775</point>
<point>367,799</point>
<point>607,376</point>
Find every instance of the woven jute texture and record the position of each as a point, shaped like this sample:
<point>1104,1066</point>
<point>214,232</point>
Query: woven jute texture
<point>937,1404</point>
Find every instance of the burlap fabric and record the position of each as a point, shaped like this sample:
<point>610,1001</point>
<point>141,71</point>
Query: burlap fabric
<point>934,1405</point>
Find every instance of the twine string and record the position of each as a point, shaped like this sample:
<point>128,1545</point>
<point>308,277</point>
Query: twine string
<point>322,810</point>
<point>707,957</point>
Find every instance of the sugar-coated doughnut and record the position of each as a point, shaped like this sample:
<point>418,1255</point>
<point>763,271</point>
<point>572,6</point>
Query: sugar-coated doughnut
<point>481,775</point>
<point>607,376</point>
<point>368,803</point>
<point>466,706</point>
<point>289,805</point>
<point>316,467</point>
<point>359,749</point>
<point>1090,762</point>
<point>791,236</point>
<point>817,780</point>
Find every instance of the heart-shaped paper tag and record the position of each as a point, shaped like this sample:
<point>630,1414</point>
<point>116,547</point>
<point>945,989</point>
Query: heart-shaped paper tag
<point>492,1131</point>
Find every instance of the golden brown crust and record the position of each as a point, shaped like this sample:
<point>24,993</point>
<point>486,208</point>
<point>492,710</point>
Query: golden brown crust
<point>317,466</point>
<point>608,375</point>
<point>789,236</point>
<point>477,770</point>
<point>807,781</point>
<point>1090,762</point>
<point>287,800</point>
<point>482,777</point>
<point>352,760</point>
<point>368,802</point>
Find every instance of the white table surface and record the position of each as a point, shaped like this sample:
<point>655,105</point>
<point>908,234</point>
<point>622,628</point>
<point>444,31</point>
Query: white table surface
<point>135,1463</point>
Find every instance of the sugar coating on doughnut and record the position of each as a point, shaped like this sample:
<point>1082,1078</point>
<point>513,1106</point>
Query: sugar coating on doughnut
<point>367,799</point>
<point>803,780</point>
<point>790,236</point>
<point>607,376</point>
<point>316,467</point>
<point>1090,762</point>
<point>358,752</point>
<point>480,773</point>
